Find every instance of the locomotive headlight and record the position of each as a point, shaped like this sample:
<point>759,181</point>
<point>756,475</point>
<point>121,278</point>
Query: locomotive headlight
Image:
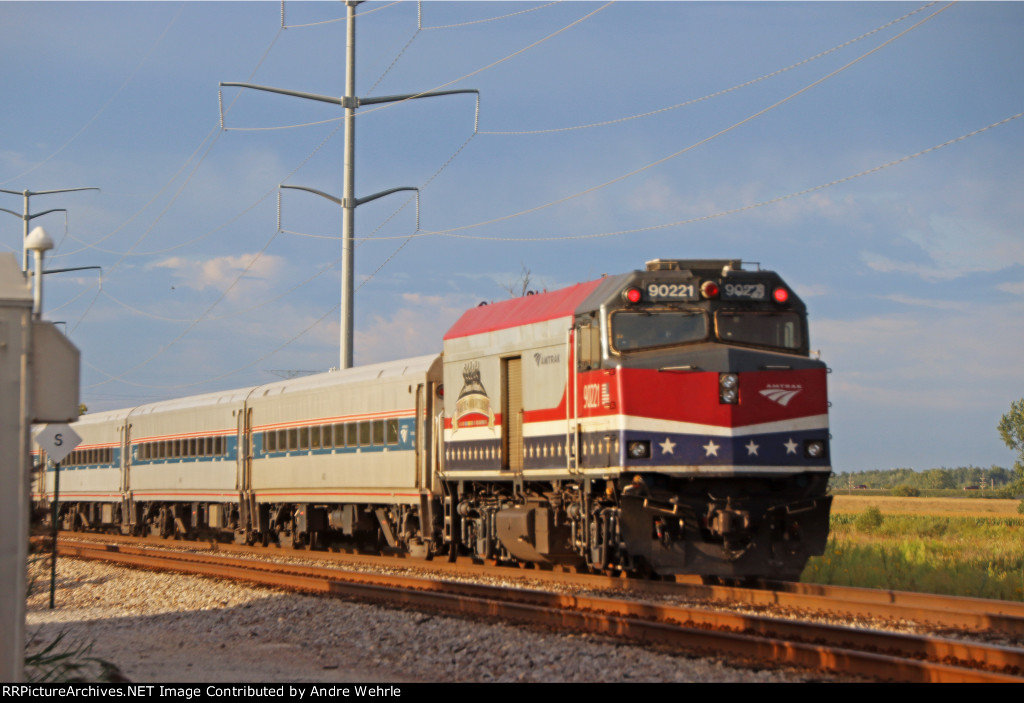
<point>729,388</point>
<point>814,448</point>
<point>639,449</point>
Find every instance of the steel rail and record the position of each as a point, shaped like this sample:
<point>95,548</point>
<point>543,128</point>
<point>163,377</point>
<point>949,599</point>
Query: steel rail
<point>911,658</point>
<point>909,599</point>
<point>928,610</point>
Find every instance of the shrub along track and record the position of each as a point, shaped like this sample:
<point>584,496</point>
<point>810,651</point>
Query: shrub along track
<point>764,641</point>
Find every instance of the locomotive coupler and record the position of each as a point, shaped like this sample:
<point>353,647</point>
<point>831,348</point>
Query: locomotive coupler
<point>732,525</point>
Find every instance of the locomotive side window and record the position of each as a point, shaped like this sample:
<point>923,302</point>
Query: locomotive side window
<point>645,330</point>
<point>351,435</point>
<point>764,329</point>
<point>378,432</point>
<point>364,434</point>
<point>392,428</point>
<point>588,347</point>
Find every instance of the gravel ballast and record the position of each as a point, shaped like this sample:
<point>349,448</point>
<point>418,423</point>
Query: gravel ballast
<point>162,627</point>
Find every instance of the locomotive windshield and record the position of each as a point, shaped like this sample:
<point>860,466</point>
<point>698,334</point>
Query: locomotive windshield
<point>764,329</point>
<point>635,330</point>
<point>646,330</point>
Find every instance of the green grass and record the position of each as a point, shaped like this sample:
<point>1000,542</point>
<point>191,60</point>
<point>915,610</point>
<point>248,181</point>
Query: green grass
<point>965,556</point>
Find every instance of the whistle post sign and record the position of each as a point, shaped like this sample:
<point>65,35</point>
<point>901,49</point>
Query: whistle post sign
<point>57,440</point>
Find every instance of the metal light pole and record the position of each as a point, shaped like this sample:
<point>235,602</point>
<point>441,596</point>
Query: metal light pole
<point>348,201</point>
<point>26,217</point>
<point>348,194</point>
<point>38,242</point>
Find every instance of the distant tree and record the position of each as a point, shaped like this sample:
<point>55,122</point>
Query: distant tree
<point>939,478</point>
<point>1011,429</point>
<point>82,409</point>
<point>999,475</point>
<point>905,491</point>
<point>521,286</point>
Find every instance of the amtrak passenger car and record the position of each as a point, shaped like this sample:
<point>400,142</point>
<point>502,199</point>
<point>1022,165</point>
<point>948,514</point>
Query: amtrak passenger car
<point>667,420</point>
<point>292,461</point>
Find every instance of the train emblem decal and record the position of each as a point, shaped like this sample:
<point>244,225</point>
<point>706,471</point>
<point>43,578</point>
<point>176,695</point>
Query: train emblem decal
<point>781,394</point>
<point>473,408</point>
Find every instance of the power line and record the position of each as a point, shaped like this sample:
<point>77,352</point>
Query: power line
<point>105,105</point>
<point>718,93</point>
<point>743,208</point>
<point>701,142</point>
<point>489,19</point>
<point>636,230</point>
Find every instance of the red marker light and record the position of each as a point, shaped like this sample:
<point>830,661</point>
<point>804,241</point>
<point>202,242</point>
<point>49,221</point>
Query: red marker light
<point>781,295</point>
<point>632,295</point>
<point>709,289</point>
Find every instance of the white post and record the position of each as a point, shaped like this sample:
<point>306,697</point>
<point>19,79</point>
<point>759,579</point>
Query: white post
<point>15,462</point>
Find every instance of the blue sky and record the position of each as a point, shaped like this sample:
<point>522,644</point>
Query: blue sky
<point>913,273</point>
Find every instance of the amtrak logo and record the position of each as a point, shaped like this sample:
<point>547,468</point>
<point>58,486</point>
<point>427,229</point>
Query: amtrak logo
<point>544,359</point>
<point>781,393</point>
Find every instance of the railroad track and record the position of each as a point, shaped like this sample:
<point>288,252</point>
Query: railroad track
<point>760,640</point>
<point>932,612</point>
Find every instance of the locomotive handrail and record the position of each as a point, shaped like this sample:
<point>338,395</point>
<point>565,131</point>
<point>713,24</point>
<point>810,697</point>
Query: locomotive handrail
<point>570,405</point>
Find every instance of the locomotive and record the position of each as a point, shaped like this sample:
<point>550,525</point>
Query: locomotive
<point>669,420</point>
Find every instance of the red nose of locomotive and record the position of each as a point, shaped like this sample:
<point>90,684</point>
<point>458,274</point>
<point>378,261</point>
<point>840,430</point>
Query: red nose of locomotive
<point>749,419</point>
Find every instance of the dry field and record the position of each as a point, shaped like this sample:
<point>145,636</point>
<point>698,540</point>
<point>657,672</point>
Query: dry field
<point>957,546</point>
<point>945,507</point>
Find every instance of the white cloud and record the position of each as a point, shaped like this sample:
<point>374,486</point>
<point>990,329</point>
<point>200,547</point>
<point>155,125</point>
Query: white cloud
<point>969,228</point>
<point>411,330</point>
<point>1014,288</point>
<point>929,303</point>
<point>883,264</point>
<point>220,272</point>
<point>952,359</point>
<point>811,290</point>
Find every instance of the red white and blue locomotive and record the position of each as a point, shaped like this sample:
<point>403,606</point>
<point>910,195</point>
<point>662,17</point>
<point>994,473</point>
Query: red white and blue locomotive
<point>669,420</point>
